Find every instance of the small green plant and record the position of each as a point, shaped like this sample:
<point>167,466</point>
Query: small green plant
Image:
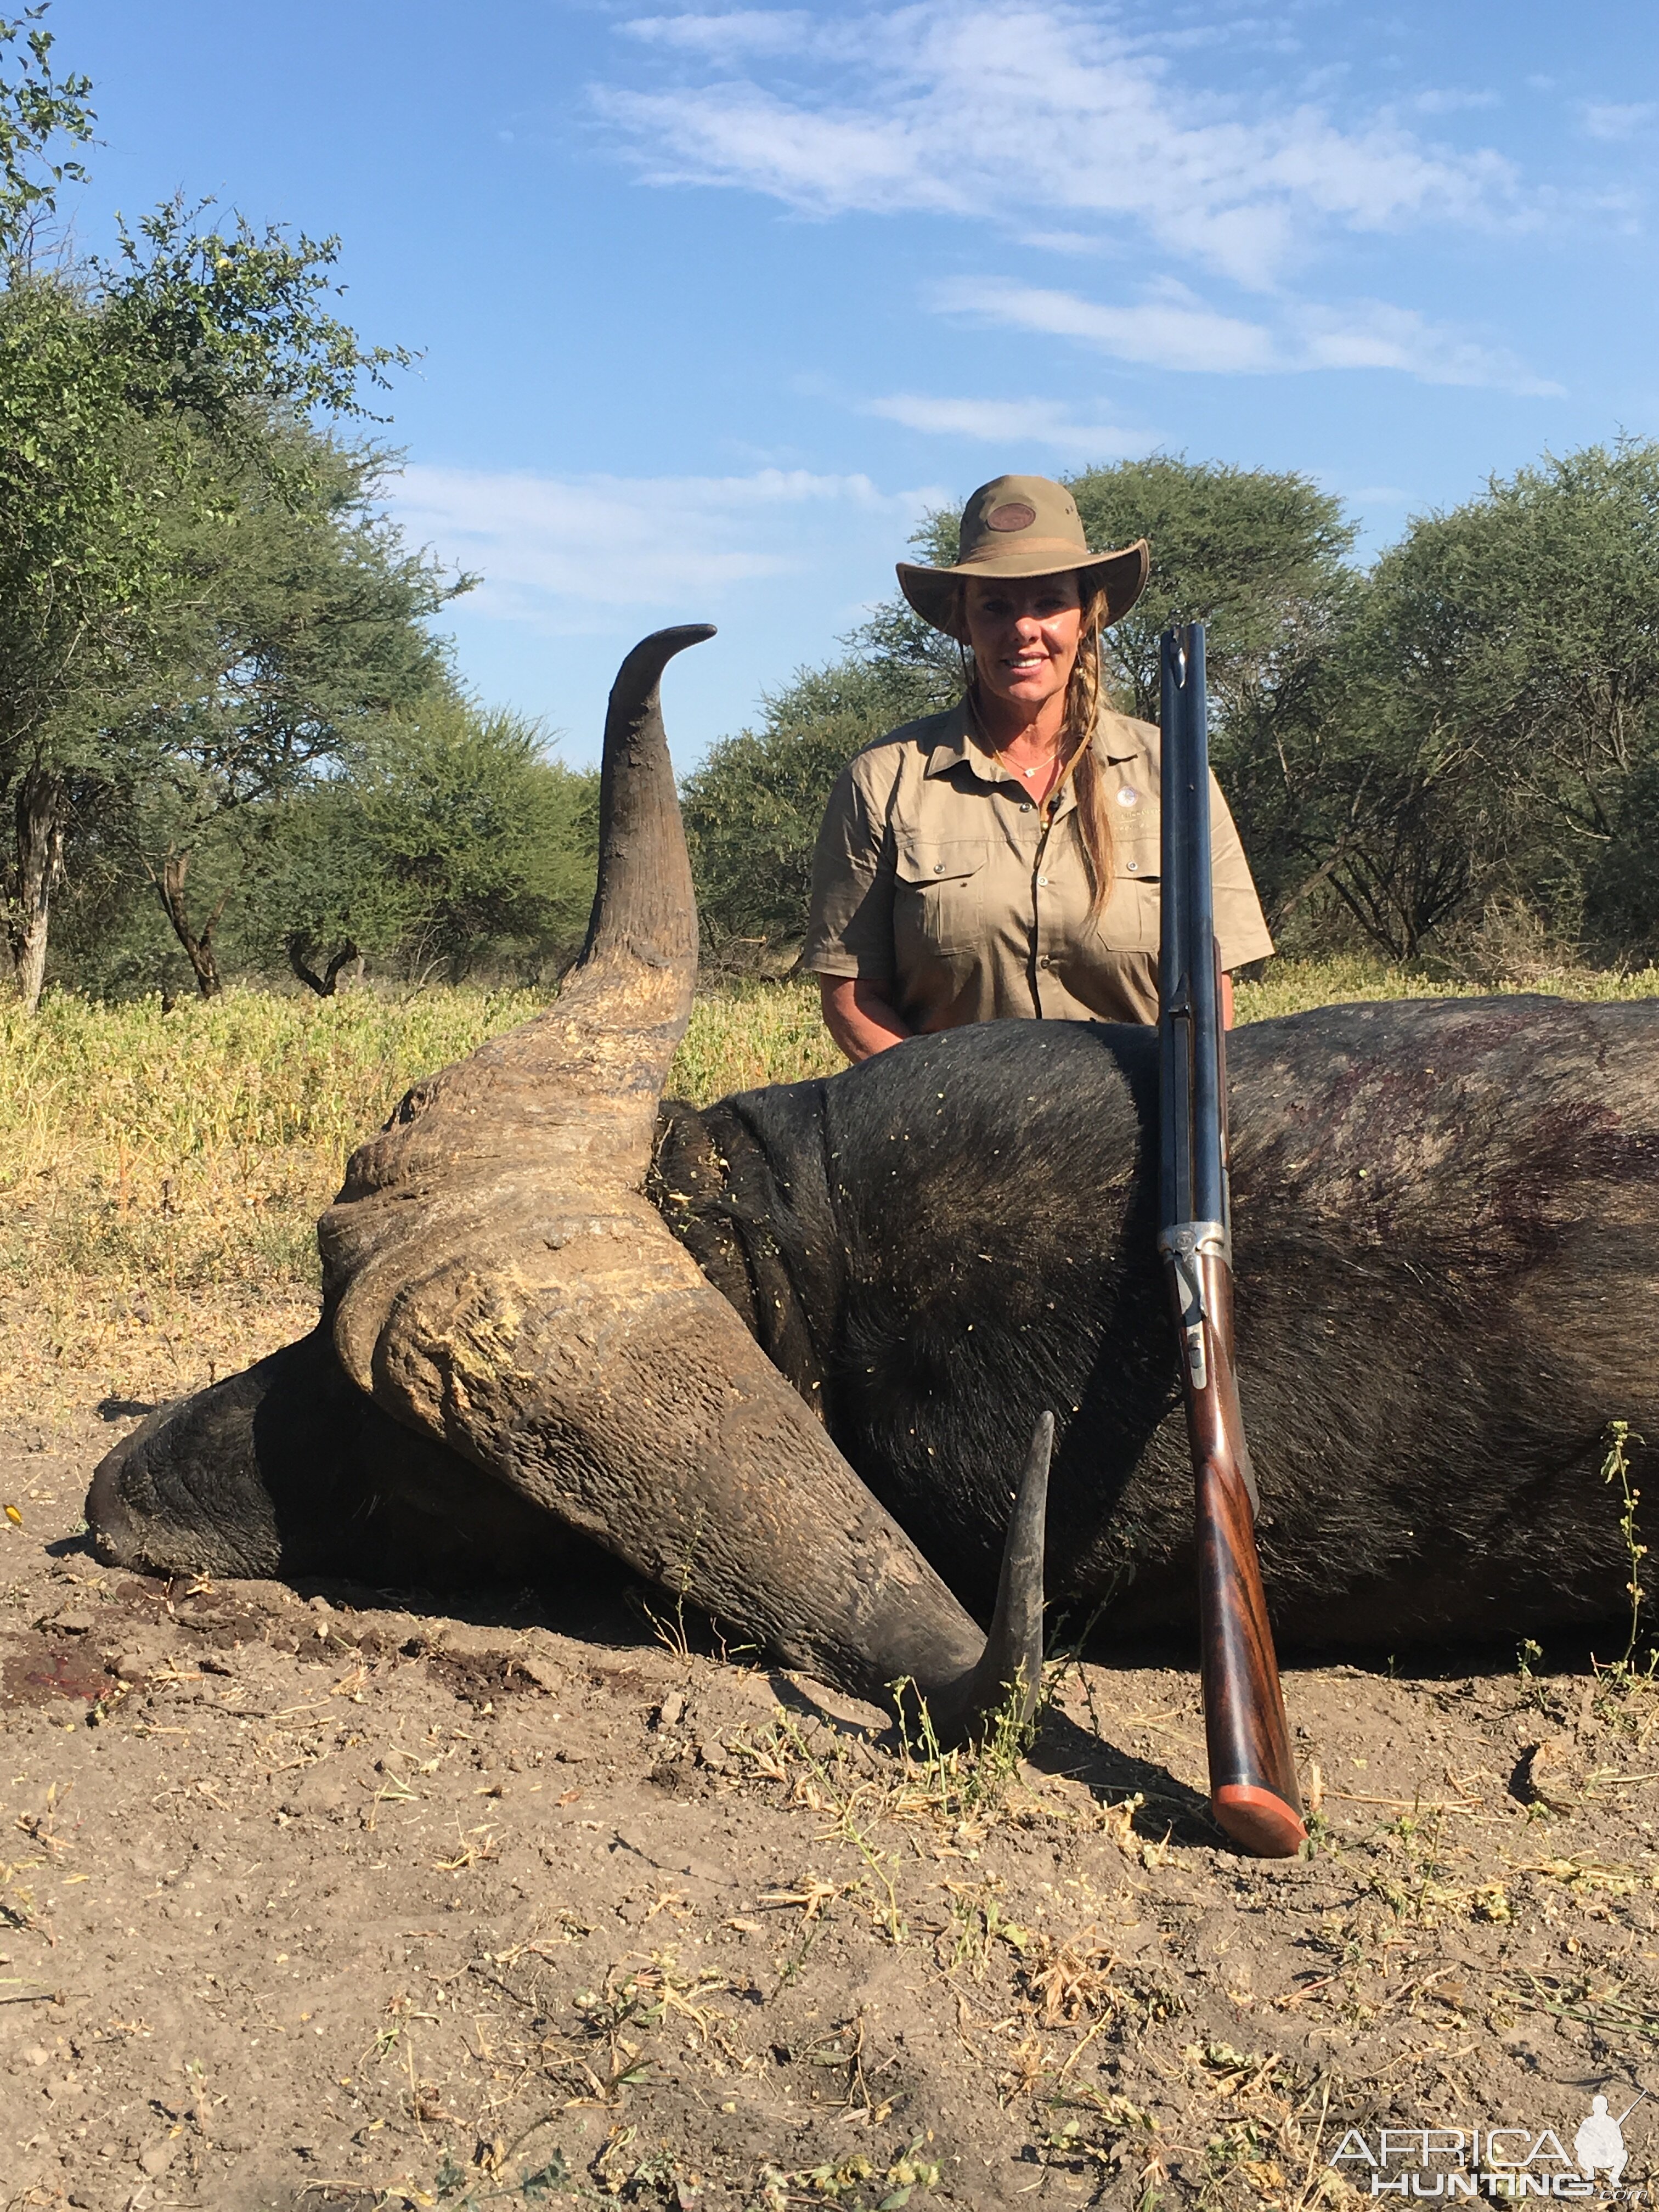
<point>969,1778</point>
<point>1527,1657</point>
<point>672,1634</point>
<point>857,2184</point>
<point>1615,1468</point>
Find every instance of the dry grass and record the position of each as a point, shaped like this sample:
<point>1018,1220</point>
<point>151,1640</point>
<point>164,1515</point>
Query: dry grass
<point>161,1173</point>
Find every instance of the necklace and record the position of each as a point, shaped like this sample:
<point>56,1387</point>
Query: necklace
<point>1048,761</point>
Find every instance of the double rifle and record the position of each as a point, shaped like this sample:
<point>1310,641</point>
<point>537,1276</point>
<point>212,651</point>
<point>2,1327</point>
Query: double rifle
<point>1252,1792</point>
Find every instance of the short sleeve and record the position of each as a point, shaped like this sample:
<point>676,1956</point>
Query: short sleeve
<point>1241,927</point>
<point>849,930</point>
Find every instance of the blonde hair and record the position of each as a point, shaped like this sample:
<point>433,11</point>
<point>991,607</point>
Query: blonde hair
<point>1085,695</point>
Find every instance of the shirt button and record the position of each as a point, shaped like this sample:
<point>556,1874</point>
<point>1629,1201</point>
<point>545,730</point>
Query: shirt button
<point>938,867</point>
<point>1132,866</point>
<point>1045,961</point>
<point>1043,880</point>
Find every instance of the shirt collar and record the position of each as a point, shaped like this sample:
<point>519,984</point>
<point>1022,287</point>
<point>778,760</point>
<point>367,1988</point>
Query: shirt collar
<point>957,743</point>
<point>1115,740</point>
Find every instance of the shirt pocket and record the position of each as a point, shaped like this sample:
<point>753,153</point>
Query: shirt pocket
<point>1130,919</point>
<point>939,895</point>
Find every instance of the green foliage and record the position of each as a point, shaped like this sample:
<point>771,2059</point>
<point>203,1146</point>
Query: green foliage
<point>81,486</point>
<point>440,841</point>
<point>290,620</point>
<point>196,604</point>
<point>1258,556</point>
<point>203,320</point>
<point>752,810</point>
<point>36,107</point>
<point>296,624</point>
<point>1506,677</point>
<point>1621,872</point>
<point>448,841</point>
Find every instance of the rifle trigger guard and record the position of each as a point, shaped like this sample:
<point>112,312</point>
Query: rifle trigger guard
<point>1182,1246</point>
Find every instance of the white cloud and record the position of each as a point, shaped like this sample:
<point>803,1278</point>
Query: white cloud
<point>1012,421</point>
<point>741,31</point>
<point>1446,102</point>
<point>566,552</point>
<point>1005,112</point>
<point>1615,121</point>
<point>1173,329</point>
<point>1061,242</point>
<point>1371,334</point>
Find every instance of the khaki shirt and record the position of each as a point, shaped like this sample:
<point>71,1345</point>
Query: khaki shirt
<point>938,878</point>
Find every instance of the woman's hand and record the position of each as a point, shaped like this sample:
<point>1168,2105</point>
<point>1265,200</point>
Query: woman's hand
<point>859,1017</point>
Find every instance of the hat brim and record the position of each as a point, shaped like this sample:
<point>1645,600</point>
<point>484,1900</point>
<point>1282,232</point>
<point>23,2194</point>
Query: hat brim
<point>934,592</point>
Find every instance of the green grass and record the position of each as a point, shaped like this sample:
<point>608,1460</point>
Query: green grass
<point>161,1173</point>
<point>1291,986</point>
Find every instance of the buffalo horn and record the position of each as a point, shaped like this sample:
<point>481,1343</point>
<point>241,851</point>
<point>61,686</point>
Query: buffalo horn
<point>494,1276</point>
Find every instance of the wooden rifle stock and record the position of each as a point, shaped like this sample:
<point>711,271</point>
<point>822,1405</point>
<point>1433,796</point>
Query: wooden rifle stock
<point>1253,1789</point>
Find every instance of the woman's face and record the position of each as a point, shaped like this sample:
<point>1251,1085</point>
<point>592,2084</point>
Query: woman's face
<point>1024,633</point>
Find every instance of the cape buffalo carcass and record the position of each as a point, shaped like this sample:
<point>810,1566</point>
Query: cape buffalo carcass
<point>785,1355</point>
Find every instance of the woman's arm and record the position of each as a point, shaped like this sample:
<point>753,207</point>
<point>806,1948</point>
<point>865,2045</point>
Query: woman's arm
<point>859,1017</point>
<point>861,1021</point>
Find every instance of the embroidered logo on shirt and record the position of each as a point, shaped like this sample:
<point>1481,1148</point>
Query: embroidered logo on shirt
<point>1012,514</point>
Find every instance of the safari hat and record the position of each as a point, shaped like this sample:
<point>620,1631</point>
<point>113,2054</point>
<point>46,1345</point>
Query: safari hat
<point>1023,527</point>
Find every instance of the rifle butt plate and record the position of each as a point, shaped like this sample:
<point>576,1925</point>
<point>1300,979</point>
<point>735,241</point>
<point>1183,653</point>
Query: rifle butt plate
<point>1259,1820</point>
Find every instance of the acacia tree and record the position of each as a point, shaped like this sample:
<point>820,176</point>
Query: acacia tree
<point>132,397</point>
<point>447,837</point>
<point>1505,686</point>
<point>296,626</point>
<point>60,565</point>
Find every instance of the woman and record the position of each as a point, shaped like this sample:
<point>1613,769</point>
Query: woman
<point>1002,857</point>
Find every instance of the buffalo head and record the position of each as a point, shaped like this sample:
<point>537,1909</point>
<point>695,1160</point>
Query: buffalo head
<point>496,1282</point>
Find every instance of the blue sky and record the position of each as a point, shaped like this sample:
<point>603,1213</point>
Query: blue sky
<point>713,304</point>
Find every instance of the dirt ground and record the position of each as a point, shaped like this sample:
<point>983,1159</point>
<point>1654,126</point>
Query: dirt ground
<point>319,1897</point>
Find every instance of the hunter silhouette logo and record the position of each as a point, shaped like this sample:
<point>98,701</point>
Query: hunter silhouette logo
<point>1599,2145</point>
<point>1507,2163</point>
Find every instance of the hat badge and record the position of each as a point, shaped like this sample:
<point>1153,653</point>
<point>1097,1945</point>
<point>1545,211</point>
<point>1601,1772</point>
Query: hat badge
<point>1012,514</point>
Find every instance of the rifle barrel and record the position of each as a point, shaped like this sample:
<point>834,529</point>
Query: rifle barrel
<point>1175,1024</point>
